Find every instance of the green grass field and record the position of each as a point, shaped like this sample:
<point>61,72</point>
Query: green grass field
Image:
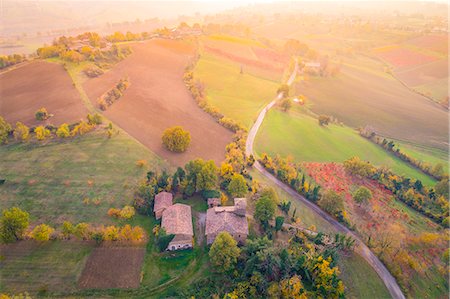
<point>299,135</point>
<point>50,181</point>
<point>239,96</point>
<point>362,95</point>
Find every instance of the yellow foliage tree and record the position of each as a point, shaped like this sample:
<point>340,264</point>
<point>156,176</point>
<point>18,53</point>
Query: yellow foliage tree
<point>41,133</point>
<point>81,129</point>
<point>111,233</point>
<point>292,288</point>
<point>21,132</point>
<point>63,131</point>
<point>42,232</point>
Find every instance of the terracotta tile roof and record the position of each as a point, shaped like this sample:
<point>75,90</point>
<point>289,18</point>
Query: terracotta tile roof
<point>177,220</point>
<point>162,201</point>
<point>220,219</point>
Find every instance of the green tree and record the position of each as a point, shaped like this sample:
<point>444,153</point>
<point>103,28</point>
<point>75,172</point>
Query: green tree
<point>332,202</point>
<point>176,139</point>
<point>207,177</point>
<point>237,186</point>
<point>42,232</point>
<point>279,223</point>
<point>41,114</point>
<point>224,252</point>
<point>442,187</point>
<point>5,128</point>
<point>265,209</point>
<point>21,132</point>
<point>362,195</point>
<point>286,104</point>
<point>13,224</point>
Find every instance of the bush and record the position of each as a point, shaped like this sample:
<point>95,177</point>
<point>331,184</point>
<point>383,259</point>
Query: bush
<point>210,194</point>
<point>95,119</point>
<point>324,120</point>
<point>41,114</point>
<point>42,232</point>
<point>21,132</point>
<point>5,128</point>
<point>92,71</point>
<point>63,131</point>
<point>13,224</point>
<point>176,139</point>
<point>41,133</point>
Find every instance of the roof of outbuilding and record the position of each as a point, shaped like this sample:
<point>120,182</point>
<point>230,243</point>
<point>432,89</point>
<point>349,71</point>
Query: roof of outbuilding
<point>177,220</point>
<point>162,200</point>
<point>220,219</point>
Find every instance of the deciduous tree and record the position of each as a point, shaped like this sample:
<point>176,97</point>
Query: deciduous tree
<point>21,132</point>
<point>13,224</point>
<point>42,232</point>
<point>176,139</point>
<point>224,252</point>
<point>5,128</point>
<point>237,186</point>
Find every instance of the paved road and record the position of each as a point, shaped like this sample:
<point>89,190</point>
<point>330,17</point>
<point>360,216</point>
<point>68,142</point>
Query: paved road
<point>360,248</point>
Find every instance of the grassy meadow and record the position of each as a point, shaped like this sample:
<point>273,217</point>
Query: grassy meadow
<point>239,96</point>
<point>78,179</point>
<point>300,135</point>
<point>362,94</point>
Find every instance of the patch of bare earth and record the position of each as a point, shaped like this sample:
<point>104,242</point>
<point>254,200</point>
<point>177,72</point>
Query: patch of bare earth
<point>158,99</point>
<point>113,267</point>
<point>39,84</point>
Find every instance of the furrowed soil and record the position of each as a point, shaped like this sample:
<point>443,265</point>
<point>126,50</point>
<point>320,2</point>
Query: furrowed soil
<point>113,267</point>
<point>35,85</point>
<point>158,99</point>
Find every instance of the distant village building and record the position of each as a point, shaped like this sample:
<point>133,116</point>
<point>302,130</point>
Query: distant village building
<point>163,200</point>
<point>177,220</point>
<point>231,219</point>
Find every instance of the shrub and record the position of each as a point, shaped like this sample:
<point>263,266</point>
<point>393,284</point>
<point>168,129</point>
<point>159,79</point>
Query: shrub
<point>95,119</point>
<point>176,139</point>
<point>127,212</point>
<point>63,131</point>
<point>324,120</point>
<point>5,128</point>
<point>42,232</point>
<point>92,71</point>
<point>82,231</point>
<point>362,195</point>
<point>67,229</point>
<point>21,132</point>
<point>81,129</point>
<point>111,233</point>
<point>13,224</point>
<point>41,114</point>
<point>41,133</point>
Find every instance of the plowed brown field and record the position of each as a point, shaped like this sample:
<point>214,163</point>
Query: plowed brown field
<point>157,99</point>
<point>35,85</point>
<point>113,267</point>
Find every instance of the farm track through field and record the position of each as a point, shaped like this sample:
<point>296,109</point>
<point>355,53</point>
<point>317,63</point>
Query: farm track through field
<point>361,248</point>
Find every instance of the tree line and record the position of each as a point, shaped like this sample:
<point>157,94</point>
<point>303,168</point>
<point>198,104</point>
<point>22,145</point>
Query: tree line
<point>436,172</point>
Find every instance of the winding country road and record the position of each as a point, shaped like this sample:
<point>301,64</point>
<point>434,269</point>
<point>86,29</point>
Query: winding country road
<point>360,248</point>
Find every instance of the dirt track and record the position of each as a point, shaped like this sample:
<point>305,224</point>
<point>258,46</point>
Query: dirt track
<point>157,99</point>
<point>35,85</point>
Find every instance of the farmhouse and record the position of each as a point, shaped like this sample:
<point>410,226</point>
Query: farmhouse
<point>163,200</point>
<point>231,219</point>
<point>177,220</point>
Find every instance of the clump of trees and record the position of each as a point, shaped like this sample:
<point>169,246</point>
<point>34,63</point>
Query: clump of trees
<point>10,60</point>
<point>431,202</point>
<point>304,267</point>
<point>436,172</point>
<point>113,94</point>
<point>126,212</point>
<point>176,139</point>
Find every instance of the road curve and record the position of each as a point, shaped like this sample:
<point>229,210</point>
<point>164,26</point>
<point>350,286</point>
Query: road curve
<point>360,248</point>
